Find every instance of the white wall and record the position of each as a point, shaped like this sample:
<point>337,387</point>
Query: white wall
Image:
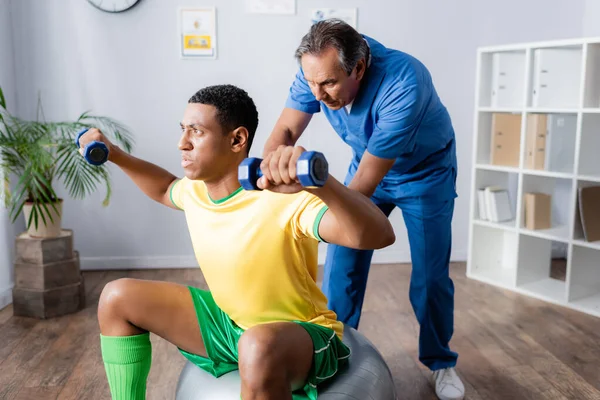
<point>7,82</point>
<point>591,18</point>
<point>127,66</point>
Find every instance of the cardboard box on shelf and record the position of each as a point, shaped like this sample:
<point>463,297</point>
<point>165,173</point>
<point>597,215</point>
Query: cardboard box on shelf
<point>538,211</point>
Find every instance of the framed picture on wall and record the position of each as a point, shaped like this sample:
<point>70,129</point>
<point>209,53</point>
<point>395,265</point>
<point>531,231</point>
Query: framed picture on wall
<point>198,32</point>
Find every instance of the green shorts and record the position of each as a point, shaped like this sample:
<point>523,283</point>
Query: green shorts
<point>221,336</point>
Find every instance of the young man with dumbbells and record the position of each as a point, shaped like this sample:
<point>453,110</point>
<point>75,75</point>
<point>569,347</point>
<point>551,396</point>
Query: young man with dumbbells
<point>264,313</point>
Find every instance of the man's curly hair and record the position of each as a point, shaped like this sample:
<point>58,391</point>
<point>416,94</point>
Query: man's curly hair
<point>234,106</point>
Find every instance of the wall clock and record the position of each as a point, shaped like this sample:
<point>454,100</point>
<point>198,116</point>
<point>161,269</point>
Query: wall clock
<point>113,6</point>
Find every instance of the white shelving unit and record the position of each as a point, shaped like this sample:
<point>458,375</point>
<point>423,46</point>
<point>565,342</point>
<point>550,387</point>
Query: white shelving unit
<point>560,79</point>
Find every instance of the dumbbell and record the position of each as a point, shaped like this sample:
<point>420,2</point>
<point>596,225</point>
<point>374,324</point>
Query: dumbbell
<point>311,168</point>
<point>96,153</point>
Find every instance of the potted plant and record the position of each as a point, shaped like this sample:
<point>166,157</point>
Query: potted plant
<point>38,153</point>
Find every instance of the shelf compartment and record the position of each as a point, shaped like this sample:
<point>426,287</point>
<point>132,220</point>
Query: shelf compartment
<point>550,142</point>
<point>509,181</point>
<point>493,255</point>
<point>555,77</point>
<point>584,290</point>
<point>591,96</point>
<point>589,159</point>
<point>542,268</point>
<point>502,79</point>
<point>560,192</point>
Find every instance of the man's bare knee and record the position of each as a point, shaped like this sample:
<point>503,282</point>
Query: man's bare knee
<point>259,363</point>
<point>111,307</point>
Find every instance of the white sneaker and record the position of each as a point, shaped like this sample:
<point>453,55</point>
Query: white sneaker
<point>448,385</point>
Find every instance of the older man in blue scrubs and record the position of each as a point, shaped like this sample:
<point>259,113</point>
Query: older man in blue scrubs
<point>383,104</point>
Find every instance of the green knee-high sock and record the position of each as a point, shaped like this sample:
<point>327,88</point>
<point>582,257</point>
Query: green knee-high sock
<point>127,362</point>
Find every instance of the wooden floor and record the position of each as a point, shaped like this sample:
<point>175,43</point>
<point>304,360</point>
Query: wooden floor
<point>510,347</point>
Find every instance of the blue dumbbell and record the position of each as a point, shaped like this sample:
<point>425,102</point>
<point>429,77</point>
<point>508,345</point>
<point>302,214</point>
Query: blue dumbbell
<point>312,170</point>
<point>96,153</point>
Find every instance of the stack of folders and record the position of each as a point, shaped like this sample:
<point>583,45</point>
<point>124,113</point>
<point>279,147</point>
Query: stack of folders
<point>494,204</point>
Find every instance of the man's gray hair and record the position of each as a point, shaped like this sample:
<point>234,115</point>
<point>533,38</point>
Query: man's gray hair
<point>337,34</point>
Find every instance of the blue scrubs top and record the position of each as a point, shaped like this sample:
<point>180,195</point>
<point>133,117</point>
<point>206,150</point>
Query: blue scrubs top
<point>396,114</point>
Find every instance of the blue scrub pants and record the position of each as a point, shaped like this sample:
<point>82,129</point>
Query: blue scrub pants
<point>431,289</point>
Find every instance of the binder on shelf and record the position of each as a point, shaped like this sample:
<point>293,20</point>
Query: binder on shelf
<point>505,143</point>
<point>536,141</point>
<point>482,205</point>
<point>589,210</point>
<point>556,77</point>
<point>560,143</point>
<point>494,204</point>
<point>538,211</point>
<point>508,76</point>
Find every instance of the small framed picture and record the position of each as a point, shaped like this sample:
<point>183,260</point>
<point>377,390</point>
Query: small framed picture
<point>198,32</point>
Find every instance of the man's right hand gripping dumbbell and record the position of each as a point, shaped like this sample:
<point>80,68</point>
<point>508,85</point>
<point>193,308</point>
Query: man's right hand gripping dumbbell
<point>286,170</point>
